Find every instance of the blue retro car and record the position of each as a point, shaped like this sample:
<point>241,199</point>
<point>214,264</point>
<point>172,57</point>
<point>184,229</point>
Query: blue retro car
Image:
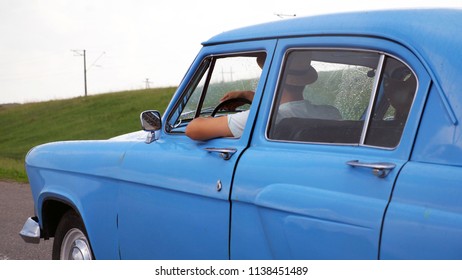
<point>351,149</point>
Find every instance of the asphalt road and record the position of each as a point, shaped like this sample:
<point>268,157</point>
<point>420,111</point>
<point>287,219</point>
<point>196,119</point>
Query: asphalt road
<point>15,207</point>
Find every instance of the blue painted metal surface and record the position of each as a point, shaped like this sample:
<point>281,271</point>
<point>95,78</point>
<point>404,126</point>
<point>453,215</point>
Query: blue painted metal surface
<point>281,200</point>
<point>424,220</point>
<point>84,176</point>
<point>169,207</point>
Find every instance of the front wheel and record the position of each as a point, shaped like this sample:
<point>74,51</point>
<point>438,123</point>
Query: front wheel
<point>71,240</point>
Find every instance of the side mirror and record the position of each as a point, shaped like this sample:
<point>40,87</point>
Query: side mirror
<point>151,122</point>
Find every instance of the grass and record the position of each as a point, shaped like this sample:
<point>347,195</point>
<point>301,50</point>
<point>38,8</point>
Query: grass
<point>11,169</point>
<point>93,117</point>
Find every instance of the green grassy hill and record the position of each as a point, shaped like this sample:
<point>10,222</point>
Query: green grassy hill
<point>93,117</point>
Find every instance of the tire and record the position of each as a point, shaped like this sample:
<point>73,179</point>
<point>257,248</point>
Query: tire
<point>71,240</point>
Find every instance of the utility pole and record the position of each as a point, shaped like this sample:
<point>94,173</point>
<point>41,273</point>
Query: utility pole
<point>83,53</point>
<point>223,72</point>
<point>147,82</point>
<point>85,71</point>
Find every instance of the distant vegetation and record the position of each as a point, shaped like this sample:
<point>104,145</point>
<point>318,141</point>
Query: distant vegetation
<point>93,117</point>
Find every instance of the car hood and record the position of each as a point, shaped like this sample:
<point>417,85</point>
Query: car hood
<point>132,136</point>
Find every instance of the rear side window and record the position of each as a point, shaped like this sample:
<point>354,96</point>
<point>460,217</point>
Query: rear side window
<point>342,97</point>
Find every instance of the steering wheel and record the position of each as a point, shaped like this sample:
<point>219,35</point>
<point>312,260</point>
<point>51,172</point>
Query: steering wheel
<point>228,102</point>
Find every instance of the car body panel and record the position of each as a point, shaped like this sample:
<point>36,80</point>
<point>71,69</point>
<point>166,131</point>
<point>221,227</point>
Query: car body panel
<point>159,197</point>
<point>307,217</point>
<point>417,227</point>
<point>438,139</point>
<point>63,172</point>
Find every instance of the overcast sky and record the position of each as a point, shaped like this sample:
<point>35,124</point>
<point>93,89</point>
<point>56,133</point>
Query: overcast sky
<point>129,42</point>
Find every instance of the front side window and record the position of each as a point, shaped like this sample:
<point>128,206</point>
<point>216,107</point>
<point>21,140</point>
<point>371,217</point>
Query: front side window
<point>342,97</point>
<point>216,77</point>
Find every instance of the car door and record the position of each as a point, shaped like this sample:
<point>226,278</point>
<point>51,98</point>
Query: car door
<point>174,202</point>
<point>318,176</point>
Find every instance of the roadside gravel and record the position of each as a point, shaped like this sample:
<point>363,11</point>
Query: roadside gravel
<point>16,206</point>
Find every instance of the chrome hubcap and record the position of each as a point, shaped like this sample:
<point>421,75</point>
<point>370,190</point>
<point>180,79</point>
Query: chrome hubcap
<point>75,246</point>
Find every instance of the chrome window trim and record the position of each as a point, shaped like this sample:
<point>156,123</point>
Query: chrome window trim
<point>373,92</point>
<point>372,98</point>
<point>189,84</point>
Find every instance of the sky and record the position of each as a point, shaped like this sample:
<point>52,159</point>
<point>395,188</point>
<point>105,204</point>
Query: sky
<point>130,44</point>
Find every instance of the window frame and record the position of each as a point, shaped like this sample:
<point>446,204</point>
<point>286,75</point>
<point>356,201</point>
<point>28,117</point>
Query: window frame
<point>374,93</point>
<point>206,67</point>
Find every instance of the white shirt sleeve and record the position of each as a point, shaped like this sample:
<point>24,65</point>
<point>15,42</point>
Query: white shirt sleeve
<point>236,123</point>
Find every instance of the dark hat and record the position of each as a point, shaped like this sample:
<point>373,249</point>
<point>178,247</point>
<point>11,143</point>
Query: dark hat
<point>299,71</point>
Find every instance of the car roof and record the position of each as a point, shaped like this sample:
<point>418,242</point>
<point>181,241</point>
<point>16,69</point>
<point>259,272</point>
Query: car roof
<point>431,34</point>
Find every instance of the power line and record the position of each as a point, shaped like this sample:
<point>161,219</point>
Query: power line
<point>94,62</point>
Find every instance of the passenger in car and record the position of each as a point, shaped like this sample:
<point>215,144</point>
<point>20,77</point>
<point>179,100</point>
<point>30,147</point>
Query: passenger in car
<point>399,90</point>
<point>298,74</point>
<point>302,108</point>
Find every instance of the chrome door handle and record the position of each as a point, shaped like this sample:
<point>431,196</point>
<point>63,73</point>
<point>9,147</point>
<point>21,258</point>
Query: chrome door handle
<point>225,153</point>
<point>379,169</point>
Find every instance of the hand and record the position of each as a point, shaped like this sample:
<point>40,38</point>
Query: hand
<point>247,94</point>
